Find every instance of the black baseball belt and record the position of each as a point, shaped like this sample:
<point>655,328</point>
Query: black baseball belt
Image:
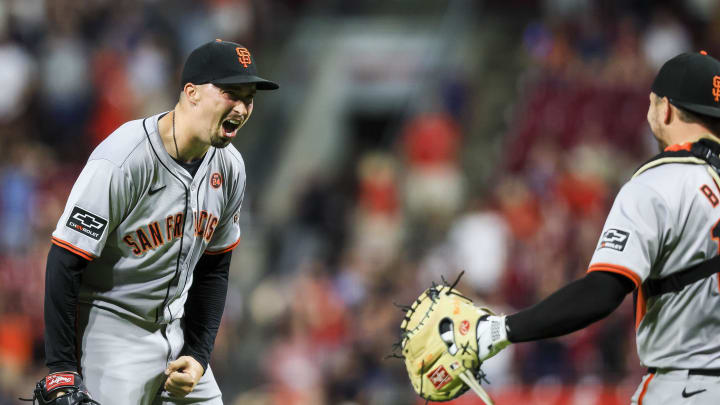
<point>711,372</point>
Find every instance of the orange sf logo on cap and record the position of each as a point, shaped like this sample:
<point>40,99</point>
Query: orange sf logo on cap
<point>716,88</point>
<point>243,56</point>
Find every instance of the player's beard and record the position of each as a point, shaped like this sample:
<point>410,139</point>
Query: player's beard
<point>662,144</point>
<point>657,131</point>
<point>218,141</point>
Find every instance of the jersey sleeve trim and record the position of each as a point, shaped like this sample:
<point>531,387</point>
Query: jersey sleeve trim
<point>640,305</point>
<point>614,268</point>
<point>76,250</point>
<point>227,249</point>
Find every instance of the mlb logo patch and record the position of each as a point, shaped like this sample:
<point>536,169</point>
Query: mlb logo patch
<point>614,239</point>
<point>439,377</point>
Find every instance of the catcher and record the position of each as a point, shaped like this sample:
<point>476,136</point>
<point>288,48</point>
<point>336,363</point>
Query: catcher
<point>661,240</point>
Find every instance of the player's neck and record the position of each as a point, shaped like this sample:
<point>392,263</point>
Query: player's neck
<point>686,132</point>
<point>173,132</point>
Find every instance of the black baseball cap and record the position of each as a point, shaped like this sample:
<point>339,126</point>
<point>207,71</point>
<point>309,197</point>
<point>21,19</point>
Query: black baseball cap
<point>223,62</point>
<point>691,81</point>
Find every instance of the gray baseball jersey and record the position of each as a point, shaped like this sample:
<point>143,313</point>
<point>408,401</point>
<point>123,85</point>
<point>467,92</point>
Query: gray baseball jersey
<point>145,222</point>
<point>665,220</point>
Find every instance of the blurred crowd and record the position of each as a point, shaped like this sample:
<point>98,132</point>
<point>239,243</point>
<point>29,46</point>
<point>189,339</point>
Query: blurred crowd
<point>317,321</point>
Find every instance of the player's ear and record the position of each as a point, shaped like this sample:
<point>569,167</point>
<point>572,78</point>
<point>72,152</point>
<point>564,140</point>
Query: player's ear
<point>192,93</point>
<point>667,110</point>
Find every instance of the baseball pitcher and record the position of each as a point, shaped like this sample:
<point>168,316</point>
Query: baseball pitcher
<point>138,268</point>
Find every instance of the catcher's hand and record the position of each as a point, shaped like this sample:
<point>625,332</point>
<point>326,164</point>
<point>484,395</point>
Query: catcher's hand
<point>491,335</point>
<point>61,389</point>
<point>440,346</point>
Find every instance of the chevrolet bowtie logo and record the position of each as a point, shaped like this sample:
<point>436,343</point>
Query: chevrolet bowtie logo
<point>87,220</point>
<point>613,235</point>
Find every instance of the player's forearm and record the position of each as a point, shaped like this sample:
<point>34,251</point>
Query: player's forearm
<point>205,305</point>
<point>571,308</point>
<point>62,283</point>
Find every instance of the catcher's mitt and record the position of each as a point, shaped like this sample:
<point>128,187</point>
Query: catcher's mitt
<point>71,383</point>
<point>439,344</point>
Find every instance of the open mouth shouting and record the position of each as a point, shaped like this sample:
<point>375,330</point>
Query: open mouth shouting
<point>230,126</point>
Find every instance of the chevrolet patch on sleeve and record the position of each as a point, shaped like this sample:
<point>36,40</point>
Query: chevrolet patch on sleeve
<point>86,223</point>
<point>614,239</point>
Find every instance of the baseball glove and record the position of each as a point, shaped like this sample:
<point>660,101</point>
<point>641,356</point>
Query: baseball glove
<point>439,344</point>
<point>71,383</point>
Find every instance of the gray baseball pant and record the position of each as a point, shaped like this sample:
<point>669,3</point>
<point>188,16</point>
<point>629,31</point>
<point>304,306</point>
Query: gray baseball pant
<point>123,361</point>
<point>666,387</point>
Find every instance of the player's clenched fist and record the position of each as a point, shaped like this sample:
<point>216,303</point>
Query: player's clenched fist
<point>183,374</point>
